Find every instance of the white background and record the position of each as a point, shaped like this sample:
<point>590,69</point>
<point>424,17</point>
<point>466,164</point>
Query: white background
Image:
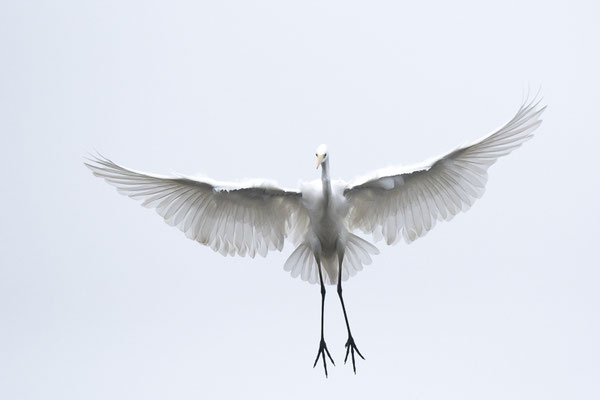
<point>99,299</point>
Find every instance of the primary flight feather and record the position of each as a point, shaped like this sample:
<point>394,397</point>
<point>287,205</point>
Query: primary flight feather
<point>320,217</point>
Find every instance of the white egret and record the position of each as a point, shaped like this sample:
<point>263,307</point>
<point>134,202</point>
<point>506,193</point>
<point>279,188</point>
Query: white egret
<point>320,217</point>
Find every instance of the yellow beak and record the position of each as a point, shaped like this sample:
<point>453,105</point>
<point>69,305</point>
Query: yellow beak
<point>320,160</point>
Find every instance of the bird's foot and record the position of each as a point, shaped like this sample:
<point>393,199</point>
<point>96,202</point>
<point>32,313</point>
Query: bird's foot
<point>322,351</point>
<point>350,349</point>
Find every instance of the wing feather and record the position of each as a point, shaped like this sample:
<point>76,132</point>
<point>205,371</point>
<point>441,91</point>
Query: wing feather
<point>407,202</point>
<point>231,219</point>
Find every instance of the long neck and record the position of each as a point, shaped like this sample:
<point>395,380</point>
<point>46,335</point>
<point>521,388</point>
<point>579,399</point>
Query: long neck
<point>325,179</point>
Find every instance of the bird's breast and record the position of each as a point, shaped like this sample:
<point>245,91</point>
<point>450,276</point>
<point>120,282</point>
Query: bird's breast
<point>327,218</point>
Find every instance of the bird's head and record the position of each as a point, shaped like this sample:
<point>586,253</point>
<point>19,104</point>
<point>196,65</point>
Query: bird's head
<point>321,154</point>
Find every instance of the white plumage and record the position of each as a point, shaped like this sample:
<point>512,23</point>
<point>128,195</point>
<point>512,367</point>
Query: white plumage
<point>407,202</point>
<point>231,219</point>
<point>319,218</point>
<point>391,204</point>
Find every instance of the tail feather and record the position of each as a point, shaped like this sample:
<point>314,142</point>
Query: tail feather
<point>302,261</point>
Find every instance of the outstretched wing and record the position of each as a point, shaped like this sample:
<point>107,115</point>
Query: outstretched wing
<point>231,220</point>
<point>407,202</point>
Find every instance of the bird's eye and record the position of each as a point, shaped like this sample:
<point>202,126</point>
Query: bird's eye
<point>316,154</point>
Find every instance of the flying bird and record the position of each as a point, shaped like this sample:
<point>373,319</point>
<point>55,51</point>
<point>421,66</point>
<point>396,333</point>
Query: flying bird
<point>320,217</point>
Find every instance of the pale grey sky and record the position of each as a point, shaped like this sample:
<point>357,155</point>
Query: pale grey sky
<point>100,299</point>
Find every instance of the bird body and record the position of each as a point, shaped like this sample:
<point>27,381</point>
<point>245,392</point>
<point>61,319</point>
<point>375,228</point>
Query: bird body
<point>320,218</point>
<point>327,236</point>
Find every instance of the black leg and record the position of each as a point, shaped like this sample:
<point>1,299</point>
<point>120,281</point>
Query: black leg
<point>350,345</point>
<point>322,346</point>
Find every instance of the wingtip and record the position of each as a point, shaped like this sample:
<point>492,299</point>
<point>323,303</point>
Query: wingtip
<point>97,157</point>
<point>532,102</point>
